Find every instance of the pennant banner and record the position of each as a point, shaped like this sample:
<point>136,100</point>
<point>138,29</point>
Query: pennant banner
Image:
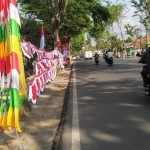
<point>45,68</point>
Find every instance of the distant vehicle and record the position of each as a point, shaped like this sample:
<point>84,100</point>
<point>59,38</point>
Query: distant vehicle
<point>78,57</point>
<point>74,58</point>
<point>82,56</point>
<point>88,55</point>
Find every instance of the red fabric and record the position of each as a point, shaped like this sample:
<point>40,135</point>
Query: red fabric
<point>39,69</point>
<point>8,65</point>
<point>15,61</point>
<point>34,92</point>
<point>2,65</point>
<point>42,83</point>
<point>6,7</point>
<point>38,84</point>
<point>42,31</point>
<point>13,2</point>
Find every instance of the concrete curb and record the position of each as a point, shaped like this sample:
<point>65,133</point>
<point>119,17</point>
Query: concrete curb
<point>58,136</point>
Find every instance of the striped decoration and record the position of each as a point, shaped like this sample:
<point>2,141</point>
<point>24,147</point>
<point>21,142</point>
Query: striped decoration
<point>11,64</point>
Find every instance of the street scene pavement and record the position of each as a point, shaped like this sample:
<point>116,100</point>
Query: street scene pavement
<point>107,107</point>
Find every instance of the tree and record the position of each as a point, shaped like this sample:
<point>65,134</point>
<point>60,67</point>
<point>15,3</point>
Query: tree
<point>29,30</point>
<point>86,15</point>
<point>77,43</point>
<point>143,11</point>
<point>65,17</point>
<point>128,40</point>
<point>132,31</point>
<point>50,12</point>
<point>117,14</point>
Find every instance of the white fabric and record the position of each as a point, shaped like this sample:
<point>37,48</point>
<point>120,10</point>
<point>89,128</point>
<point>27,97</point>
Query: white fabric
<point>8,80</point>
<point>13,12</point>
<point>42,42</point>
<point>15,79</point>
<point>2,81</point>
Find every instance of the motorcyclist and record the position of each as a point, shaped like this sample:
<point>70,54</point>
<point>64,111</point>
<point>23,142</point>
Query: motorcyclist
<point>96,57</point>
<point>146,71</point>
<point>106,55</point>
<point>110,54</point>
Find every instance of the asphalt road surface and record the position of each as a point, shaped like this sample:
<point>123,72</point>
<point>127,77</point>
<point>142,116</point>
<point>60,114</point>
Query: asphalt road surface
<point>107,108</point>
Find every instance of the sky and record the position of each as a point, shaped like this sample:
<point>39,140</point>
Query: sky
<point>129,17</point>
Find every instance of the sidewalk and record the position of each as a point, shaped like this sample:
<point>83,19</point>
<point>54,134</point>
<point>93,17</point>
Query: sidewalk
<point>41,131</point>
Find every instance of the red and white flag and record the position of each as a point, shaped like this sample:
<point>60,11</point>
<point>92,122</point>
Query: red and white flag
<point>42,40</point>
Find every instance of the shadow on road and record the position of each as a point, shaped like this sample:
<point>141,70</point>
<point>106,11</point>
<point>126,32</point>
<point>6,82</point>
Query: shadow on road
<point>115,110</point>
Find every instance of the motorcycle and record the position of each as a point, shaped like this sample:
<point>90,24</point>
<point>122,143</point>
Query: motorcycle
<point>97,60</point>
<point>147,88</point>
<point>143,58</point>
<point>109,61</point>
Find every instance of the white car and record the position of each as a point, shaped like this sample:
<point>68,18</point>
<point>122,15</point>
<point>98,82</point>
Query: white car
<point>74,58</point>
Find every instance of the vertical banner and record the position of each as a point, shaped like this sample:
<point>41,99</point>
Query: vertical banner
<point>11,65</point>
<point>42,40</point>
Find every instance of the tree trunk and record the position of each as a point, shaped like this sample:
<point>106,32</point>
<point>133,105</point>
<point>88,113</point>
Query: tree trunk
<point>56,18</point>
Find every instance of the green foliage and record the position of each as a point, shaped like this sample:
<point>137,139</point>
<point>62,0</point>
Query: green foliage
<point>29,32</point>
<point>95,30</point>
<point>48,12</point>
<point>77,43</point>
<point>115,12</point>
<point>132,31</point>
<point>128,40</point>
<point>99,14</point>
<point>75,20</point>
<point>143,11</point>
<point>78,16</point>
<point>83,15</point>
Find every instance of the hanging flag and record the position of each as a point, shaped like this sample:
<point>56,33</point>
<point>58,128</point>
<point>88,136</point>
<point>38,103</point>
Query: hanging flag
<point>18,92</point>
<point>42,40</point>
<point>2,61</point>
<point>11,64</point>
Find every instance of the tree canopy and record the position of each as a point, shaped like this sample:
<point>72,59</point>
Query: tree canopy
<point>63,18</point>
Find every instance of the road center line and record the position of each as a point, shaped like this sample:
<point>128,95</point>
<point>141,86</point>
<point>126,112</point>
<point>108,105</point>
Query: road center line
<point>75,117</point>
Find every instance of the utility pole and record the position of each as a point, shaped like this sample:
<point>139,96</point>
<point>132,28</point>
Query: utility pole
<point>146,36</point>
<point>146,29</point>
<point>140,39</point>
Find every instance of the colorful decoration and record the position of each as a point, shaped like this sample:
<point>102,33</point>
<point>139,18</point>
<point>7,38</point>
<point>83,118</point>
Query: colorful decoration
<point>45,68</point>
<point>11,64</point>
<point>13,92</point>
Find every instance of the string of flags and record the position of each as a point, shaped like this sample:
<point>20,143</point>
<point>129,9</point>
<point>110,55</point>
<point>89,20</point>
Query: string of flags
<point>45,68</point>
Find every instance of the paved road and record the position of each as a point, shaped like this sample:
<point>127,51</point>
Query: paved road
<point>107,108</point>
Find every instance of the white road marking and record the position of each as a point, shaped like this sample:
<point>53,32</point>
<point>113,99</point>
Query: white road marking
<point>75,117</point>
